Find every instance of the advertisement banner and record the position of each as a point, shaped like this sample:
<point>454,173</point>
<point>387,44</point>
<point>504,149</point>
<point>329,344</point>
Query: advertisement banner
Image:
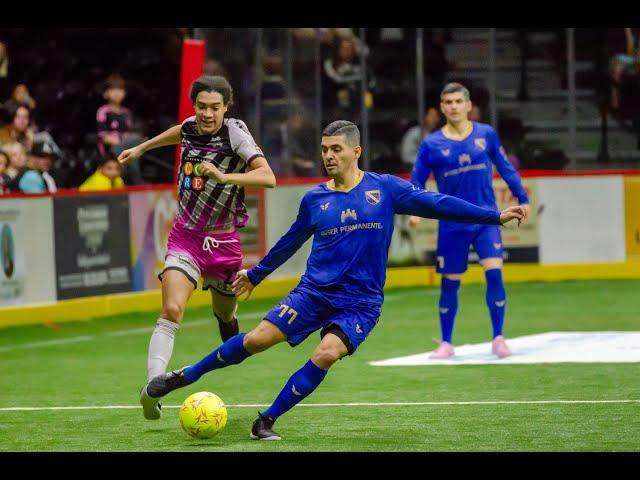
<point>92,245</point>
<point>12,252</point>
<point>632,216</point>
<point>417,246</point>
<point>151,216</point>
<point>253,235</point>
<point>22,252</point>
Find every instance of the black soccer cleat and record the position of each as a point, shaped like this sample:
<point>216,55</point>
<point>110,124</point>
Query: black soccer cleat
<point>228,329</point>
<point>167,382</point>
<point>262,428</point>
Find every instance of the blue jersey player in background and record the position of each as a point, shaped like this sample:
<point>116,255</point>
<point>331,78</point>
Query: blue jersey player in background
<point>461,155</point>
<point>341,292</point>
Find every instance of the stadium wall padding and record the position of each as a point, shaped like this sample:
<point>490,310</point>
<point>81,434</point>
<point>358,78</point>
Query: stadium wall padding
<point>587,226</point>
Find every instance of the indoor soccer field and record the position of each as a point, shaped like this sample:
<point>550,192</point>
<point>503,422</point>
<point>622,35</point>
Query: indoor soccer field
<point>74,386</point>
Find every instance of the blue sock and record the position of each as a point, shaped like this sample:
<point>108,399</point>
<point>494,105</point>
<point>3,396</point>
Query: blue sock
<point>448,307</point>
<point>299,386</point>
<point>496,299</point>
<point>230,352</point>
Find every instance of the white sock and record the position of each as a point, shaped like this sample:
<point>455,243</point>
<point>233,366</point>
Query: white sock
<point>160,347</point>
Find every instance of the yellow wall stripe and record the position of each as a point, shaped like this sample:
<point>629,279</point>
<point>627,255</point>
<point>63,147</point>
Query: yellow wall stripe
<point>149,301</point>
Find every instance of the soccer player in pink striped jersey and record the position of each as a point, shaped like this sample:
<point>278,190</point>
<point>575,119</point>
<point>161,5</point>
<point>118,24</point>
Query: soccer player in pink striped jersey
<point>218,158</point>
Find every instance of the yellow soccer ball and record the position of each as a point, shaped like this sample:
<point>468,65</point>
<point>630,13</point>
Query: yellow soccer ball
<point>203,415</point>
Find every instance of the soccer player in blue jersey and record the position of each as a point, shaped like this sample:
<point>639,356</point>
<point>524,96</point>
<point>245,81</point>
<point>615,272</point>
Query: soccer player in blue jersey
<point>351,220</point>
<point>461,155</point>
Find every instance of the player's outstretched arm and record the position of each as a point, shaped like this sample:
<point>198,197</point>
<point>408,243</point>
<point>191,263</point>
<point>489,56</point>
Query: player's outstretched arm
<point>242,284</point>
<point>170,136</point>
<point>518,212</point>
<point>259,174</point>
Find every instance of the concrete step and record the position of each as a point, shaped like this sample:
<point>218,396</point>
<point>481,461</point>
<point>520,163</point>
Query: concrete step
<point>618,141</point>
<point>510,79</point>
<point>551,94</point>
<point>479,34</point>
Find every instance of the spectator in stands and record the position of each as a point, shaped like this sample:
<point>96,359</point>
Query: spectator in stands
<point>623,64</point>
<point>296,133</point>
<point>4,71</point>
<point>113,120</point>
<point>475,115</point>
<point>413,137</point>
<point>19,129</point>
<point>344,76</point>
<point>22,178</point>
<point>106,177</point>
<point>4,178</point>
<point>20,97</point>
<point>114,124</point>
<point>41,159</point>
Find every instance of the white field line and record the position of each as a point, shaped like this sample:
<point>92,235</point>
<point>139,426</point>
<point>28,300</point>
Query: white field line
<point>118,333</point>
<point>322,405</point>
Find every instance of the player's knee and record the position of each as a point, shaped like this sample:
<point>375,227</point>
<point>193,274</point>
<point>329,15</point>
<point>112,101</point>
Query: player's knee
<point>326,355</point>
<point>173,311</point>
<point>256,341</point>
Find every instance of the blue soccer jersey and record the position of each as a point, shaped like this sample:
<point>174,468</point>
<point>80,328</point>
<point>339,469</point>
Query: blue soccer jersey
<point>352,232</point>
<point>464,168</point>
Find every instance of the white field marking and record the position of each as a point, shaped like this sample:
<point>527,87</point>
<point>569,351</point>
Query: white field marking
<point>117,333</point>
<point>548,347</point>
<point>322,405</point>
<point>49,343</point>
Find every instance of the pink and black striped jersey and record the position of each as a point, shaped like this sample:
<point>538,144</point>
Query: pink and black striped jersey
<point>205,204</point>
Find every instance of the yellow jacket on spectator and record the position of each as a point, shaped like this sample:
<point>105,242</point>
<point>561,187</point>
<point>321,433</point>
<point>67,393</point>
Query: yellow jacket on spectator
<point>99,181</point>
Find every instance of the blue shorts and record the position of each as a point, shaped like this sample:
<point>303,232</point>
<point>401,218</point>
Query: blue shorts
<point>453,246</point>
<point>304,311</point>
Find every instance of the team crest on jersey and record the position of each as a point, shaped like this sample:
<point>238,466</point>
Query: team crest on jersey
<point>372,196</point>
<point>348,213</point>
<point>464,159</point>
<point>324,206</point>
<point>446,152</point>
<point>481,143</point>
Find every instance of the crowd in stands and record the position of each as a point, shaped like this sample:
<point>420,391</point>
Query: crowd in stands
<point>624,76</point>
<point>72,100</point>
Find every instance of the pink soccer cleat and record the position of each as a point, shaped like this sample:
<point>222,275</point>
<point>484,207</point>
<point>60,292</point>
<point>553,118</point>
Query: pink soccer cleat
<point>499,347</point>
<point>445,350</point>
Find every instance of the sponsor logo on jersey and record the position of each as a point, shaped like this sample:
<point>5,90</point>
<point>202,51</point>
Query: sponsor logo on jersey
<point>372,196</point>
<point>348,213</point>
<point>464,159</point>
<point>497,245</point>
<point>481,143</point>
<point>324,206</point>
<point>446,152</point>
<point>198,184</point>
<point>358,329</point>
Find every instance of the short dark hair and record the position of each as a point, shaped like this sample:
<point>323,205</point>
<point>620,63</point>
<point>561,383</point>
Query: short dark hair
<point>212,83</point>
<point>455,87</point>
<point>343,127</point>
<point>102,161</point>
<point>114,81</point>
